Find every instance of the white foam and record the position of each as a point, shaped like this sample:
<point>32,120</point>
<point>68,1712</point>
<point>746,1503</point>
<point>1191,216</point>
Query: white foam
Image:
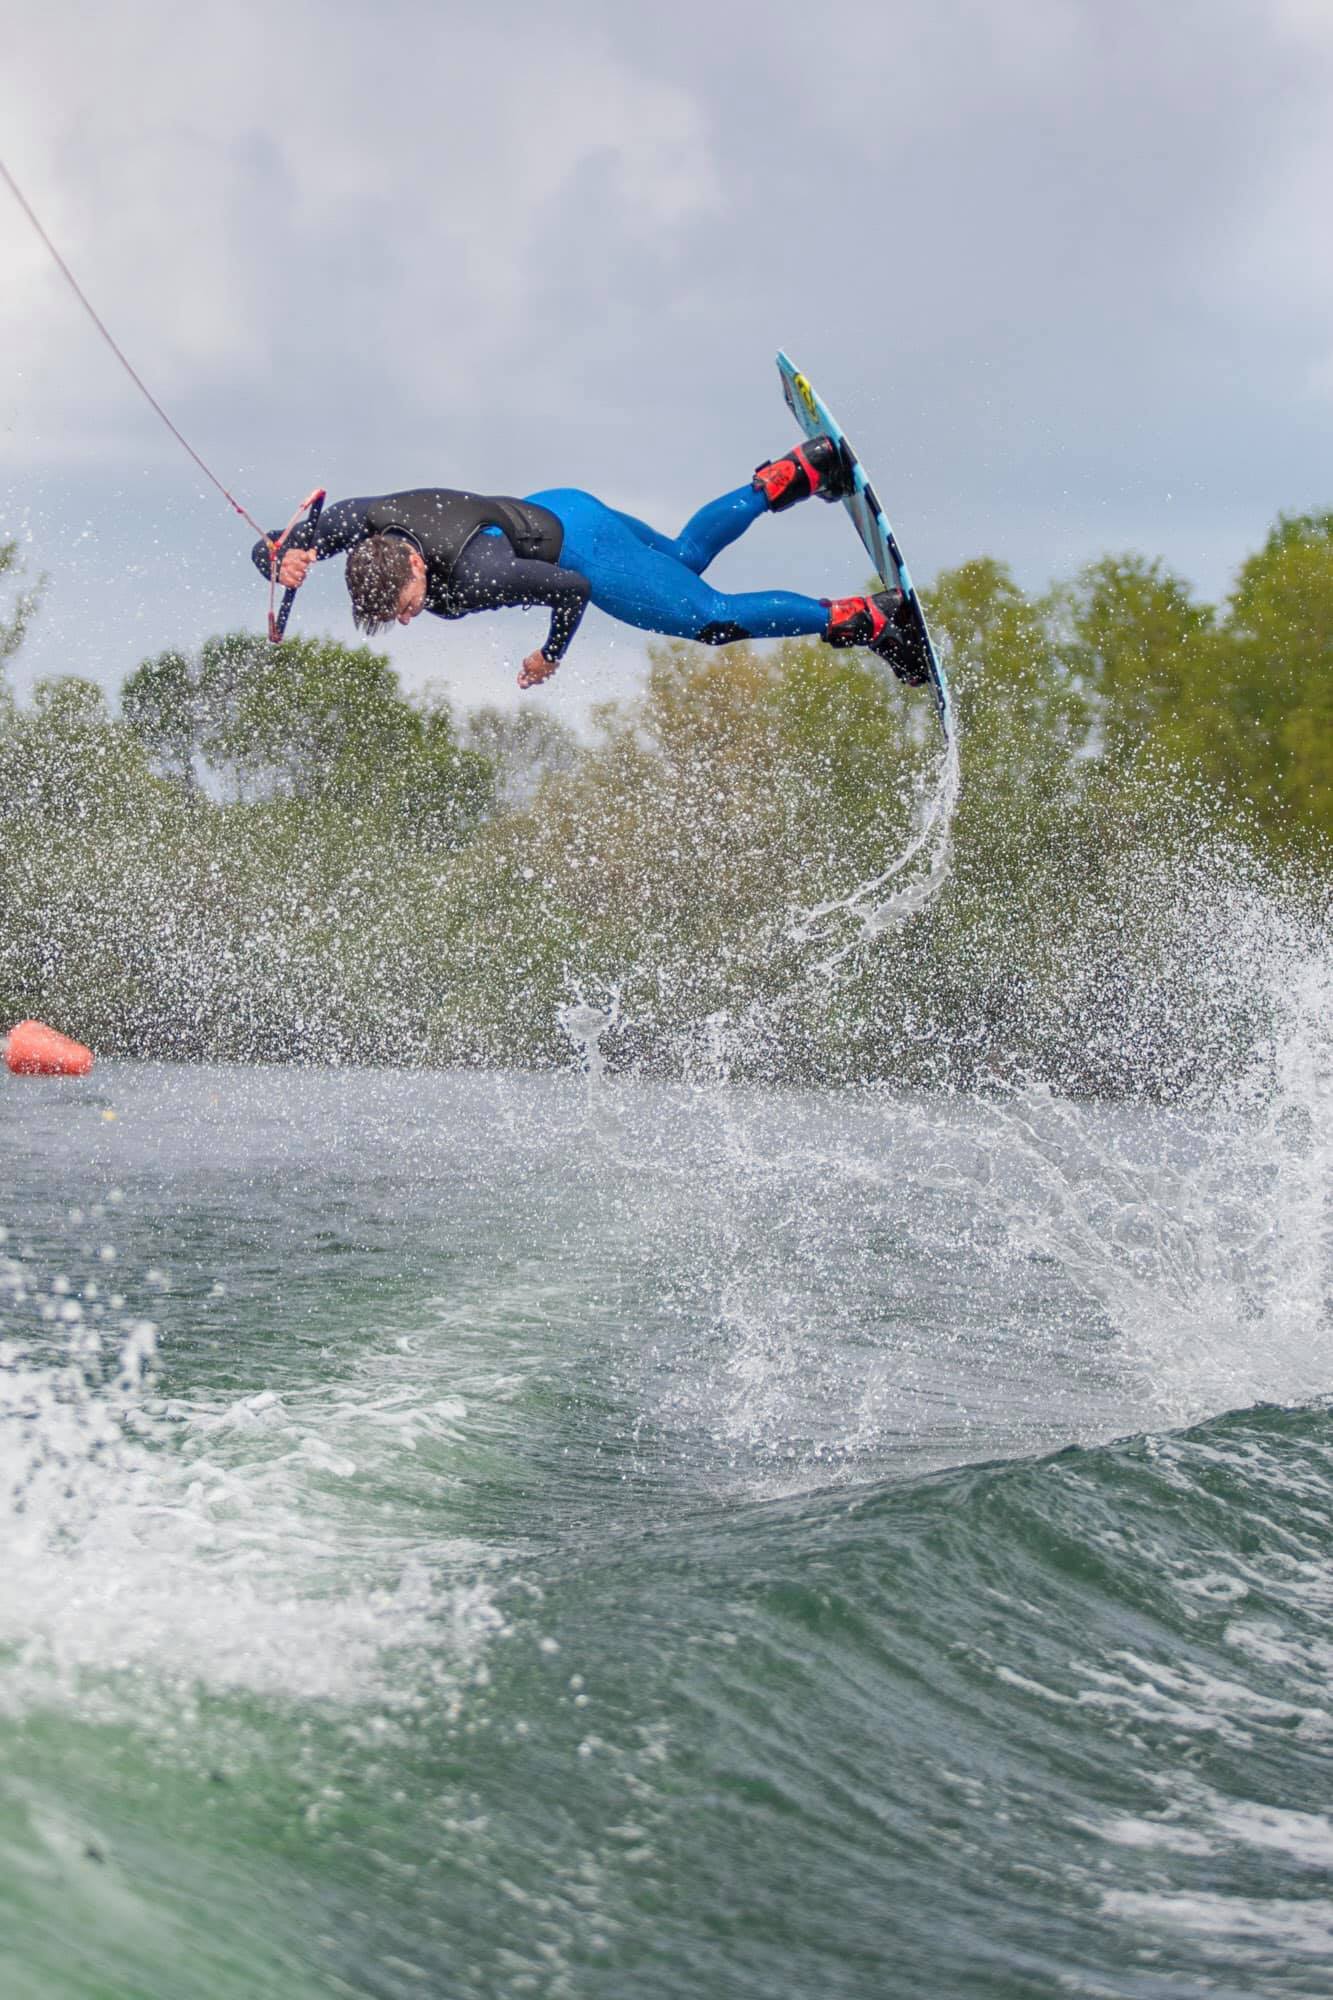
<point>184,1547</point>
<point>1299,1836</point>
<point>1184,1697</point>
<point>1200,1820</point>
<point>1127,1831</point>
<point>1282,1923</point>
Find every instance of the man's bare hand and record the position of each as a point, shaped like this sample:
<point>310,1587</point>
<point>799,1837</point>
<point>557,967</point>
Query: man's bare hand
<point>295,566</point>
<point>535,669</point>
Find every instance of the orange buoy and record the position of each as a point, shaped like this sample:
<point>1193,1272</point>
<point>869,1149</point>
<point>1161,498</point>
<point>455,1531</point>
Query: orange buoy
<point>33,1049</point>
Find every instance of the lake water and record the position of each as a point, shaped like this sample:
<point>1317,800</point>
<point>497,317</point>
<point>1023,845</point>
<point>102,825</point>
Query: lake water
<point>483,1535</point>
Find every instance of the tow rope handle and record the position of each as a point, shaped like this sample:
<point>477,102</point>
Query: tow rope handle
<point>312,508</point>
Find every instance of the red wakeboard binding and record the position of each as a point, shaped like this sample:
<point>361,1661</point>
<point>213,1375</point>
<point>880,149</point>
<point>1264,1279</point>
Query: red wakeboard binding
<point>885,626</point>
<point>817,466</point>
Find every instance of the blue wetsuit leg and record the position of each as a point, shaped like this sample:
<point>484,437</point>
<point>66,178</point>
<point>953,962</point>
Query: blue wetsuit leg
<point>705,535</point>
<point>644,579</point>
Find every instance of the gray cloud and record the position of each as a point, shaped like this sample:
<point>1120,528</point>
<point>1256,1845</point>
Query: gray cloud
<point>1062,269</point>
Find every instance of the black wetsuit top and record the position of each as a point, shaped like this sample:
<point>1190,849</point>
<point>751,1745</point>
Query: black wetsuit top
<point>467,569</point>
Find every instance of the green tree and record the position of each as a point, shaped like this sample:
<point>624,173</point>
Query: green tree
<point>1140,651</point>
<point>64,758</point>
<point>160,703</point>
<point>314,723</point>
<point>524,746</point>
<point>1275,688</point>
<point>275,854</point>
<point>13,628</point>
<point>1018,699</point>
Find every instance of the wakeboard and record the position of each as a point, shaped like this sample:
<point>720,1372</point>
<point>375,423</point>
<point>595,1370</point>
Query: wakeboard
<point>872,525</point>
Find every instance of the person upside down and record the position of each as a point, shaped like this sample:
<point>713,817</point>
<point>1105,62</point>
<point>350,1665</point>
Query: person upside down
<point>450,552</point>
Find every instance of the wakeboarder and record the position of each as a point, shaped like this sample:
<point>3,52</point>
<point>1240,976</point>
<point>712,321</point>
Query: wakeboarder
<point>451,552</point>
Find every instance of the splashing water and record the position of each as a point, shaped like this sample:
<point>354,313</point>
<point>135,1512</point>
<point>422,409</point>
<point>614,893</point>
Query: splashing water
<point>137,1538</point>
<point>1206,1234</point>
<point>584,1026</point>
<point>908,884</point>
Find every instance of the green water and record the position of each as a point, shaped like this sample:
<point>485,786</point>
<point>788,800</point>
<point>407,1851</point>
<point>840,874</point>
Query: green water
<point>659,1542</point>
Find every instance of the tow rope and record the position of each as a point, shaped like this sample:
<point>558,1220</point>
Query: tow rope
<point>309,508</point>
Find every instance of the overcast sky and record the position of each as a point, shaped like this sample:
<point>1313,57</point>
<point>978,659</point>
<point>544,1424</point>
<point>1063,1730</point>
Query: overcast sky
<point>1062,267</point>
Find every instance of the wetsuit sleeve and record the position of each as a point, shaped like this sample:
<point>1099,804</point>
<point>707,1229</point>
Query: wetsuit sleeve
<point>488,575</point>
<point>339,528</point>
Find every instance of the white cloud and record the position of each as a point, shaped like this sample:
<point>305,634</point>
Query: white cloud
<point>1308,22</point>
<point>1049,262</point>
<point>225,186</point>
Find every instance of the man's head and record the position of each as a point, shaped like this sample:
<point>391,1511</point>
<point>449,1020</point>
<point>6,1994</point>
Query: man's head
<point>386,581</point>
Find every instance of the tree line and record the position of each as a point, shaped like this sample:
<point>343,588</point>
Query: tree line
<point>276,855</point>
